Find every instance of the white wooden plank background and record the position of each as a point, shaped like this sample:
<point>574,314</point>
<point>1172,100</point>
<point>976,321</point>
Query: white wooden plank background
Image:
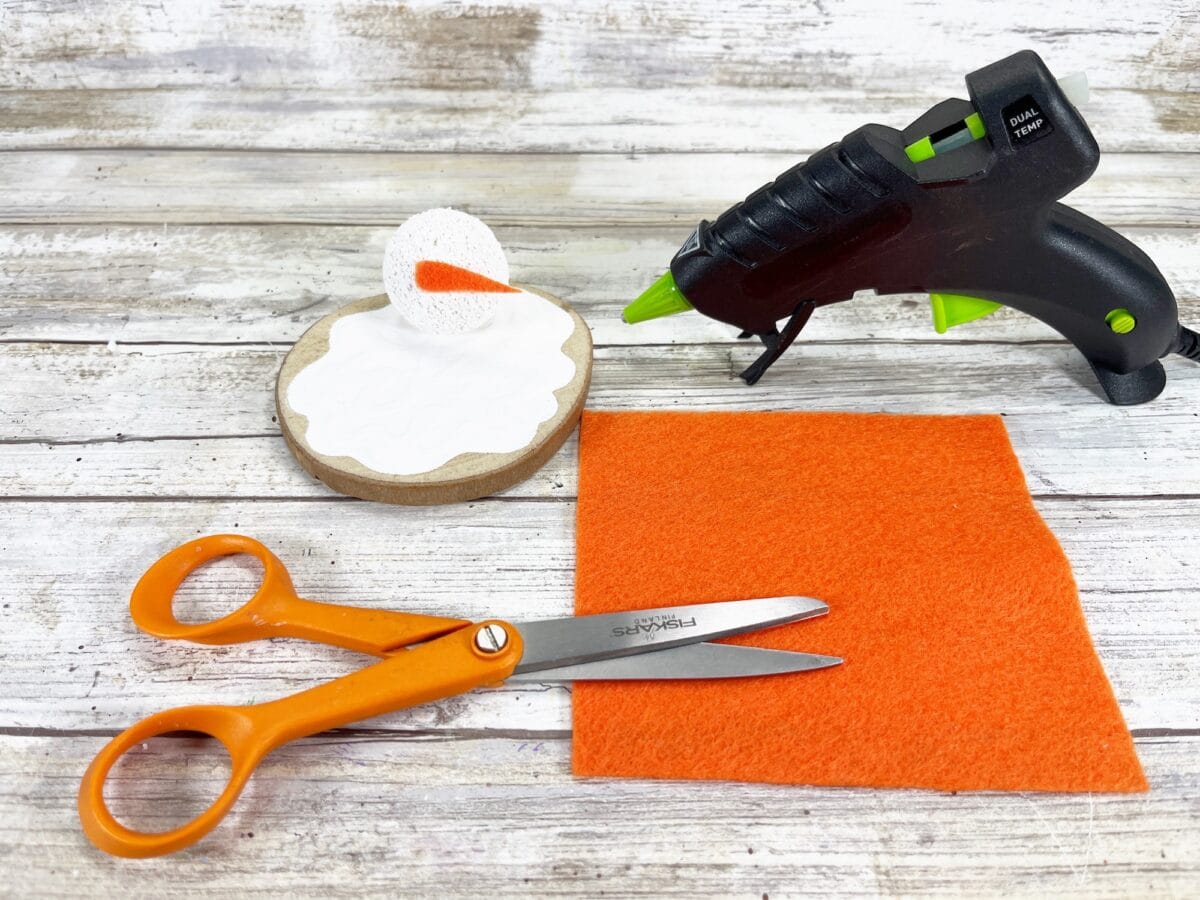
<point>188,186</point>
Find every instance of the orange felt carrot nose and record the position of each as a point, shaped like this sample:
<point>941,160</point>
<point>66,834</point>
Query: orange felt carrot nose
<point>441,277</point>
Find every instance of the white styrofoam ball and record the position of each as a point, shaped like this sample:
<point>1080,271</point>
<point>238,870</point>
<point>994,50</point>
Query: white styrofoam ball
<point>449,236</point>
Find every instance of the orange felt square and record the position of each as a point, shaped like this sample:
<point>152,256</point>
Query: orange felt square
<point>968,662</point>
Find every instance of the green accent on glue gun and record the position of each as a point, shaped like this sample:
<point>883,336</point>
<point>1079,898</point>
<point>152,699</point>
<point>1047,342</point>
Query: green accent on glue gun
<point>663,298</point>
<point>1121,321</point>
<point>972,130</point>
<point>956,309</point>
<point>920,150</point>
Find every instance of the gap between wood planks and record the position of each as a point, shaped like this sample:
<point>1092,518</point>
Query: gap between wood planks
<point>631,153</point>
<point>355,735</point>
<point>831,342</point>
<point>412,734</point>
<point>495,498</point>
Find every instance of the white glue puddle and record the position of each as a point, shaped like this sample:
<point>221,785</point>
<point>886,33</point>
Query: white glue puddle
<point>403,402</point>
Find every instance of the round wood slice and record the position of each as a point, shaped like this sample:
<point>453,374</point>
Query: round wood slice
<point>466,477</point>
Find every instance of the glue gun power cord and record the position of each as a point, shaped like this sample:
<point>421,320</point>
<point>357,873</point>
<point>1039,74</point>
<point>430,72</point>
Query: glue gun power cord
<point>1187,344</point>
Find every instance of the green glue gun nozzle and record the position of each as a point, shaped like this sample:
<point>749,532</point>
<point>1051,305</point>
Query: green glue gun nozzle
<point>663,298</point>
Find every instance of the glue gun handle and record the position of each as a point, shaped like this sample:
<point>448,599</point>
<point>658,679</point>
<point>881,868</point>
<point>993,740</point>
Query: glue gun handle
<point>1083,271</point>
<point>1090,284</point>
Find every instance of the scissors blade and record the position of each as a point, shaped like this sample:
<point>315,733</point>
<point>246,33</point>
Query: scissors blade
<point>551,643</point>
<point>687,662</point>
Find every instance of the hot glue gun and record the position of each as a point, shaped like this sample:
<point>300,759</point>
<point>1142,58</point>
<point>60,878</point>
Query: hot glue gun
<point>961,204</point>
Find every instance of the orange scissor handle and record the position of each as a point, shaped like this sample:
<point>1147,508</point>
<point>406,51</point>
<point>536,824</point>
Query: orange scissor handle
<point>274,611</point>
<point>452,664</point>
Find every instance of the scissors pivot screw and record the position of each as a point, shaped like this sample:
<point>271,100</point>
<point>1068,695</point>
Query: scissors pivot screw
<point>491,638</point>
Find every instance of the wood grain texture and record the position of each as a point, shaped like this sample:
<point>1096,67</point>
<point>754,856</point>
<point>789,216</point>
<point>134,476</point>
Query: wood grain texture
<point>198,183</point>
<point>514,44</point>
<point>553,190</point>
<point>390,814</point>
<point>154,406</point>
<point>589,120</point>
<point>563,76</point>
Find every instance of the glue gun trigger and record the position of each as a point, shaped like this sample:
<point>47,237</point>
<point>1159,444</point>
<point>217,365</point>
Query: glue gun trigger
<point>776,342</point>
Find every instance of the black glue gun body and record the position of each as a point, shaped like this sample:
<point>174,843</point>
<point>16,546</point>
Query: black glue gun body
<point>962,204</point>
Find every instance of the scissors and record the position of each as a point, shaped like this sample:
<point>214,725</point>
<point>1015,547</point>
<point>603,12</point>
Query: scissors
<point>425,658</point>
